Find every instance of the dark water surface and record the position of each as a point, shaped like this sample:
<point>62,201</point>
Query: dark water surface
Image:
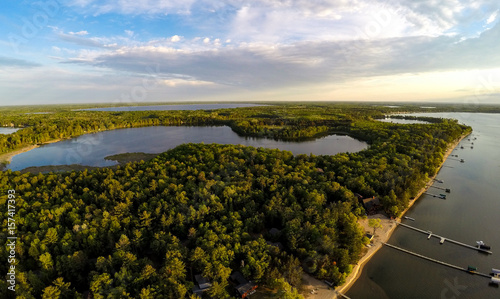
<point>470,213</point>
<point>90,149</point>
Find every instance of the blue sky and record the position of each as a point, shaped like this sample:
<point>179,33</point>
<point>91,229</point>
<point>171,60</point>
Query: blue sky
<point>131,51</point>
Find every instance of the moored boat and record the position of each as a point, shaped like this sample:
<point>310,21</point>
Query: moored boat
<point>481,245</point>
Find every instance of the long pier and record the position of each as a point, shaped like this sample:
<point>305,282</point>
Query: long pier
<point>437,261</point>
<point>434,195</point>
<point>441,188</point>
<point>443,239</point>
<point>342,295</point>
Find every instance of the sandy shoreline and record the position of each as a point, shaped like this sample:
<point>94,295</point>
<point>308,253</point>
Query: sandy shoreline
<point>382,235</point>
<point>7,157</point>
<point>388,226</point>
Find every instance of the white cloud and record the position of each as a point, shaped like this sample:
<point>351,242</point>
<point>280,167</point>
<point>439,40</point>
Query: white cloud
<point>175,38</point>
<point>133,7</point>
<point>182,82</point>
<point>261,65</point>
<point>492,18</point>
<point>278,20</point>
<point>206,40</point>
<point>129,33</point>
<point>80,33</point>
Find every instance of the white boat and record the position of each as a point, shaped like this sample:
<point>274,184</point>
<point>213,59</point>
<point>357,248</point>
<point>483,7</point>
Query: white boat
<point>495,280</point>
<point>481,245</point>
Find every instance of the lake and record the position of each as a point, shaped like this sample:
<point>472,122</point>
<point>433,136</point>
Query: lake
<point>403,121</point>
<point>175,107</point>
<point>90,149</point>
<point>469,214</point>
<point>4,130</point>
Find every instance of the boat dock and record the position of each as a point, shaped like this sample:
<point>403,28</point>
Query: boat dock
<point>443,239</point>
<point>341,295</point>
<point>437,261</point>
<point>442,196</point>
<point>448,190</point>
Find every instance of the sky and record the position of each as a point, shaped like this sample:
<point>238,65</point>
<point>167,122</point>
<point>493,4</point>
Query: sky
<point>133,51</point>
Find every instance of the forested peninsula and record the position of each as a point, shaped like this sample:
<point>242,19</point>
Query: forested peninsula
<point>144,229</point>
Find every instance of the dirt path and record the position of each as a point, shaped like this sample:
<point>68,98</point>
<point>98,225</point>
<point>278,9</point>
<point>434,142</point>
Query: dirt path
<point>314,288</point>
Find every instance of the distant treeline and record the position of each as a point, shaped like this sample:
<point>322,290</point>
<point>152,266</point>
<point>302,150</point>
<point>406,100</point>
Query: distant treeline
<point>283,121</point>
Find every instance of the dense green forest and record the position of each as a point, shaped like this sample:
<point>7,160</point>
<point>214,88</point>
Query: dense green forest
<point>144,229</point>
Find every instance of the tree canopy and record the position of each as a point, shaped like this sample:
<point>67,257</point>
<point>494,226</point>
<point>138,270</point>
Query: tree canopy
<point>144,229</point>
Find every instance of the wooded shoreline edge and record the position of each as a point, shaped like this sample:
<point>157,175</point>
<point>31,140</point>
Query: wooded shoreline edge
<point>387,233</point>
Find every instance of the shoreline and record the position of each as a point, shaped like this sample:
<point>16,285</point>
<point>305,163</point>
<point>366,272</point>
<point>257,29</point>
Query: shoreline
<point>387,233</point>
<point>6,158</point>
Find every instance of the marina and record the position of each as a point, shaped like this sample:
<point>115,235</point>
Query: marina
<point>470,215</point>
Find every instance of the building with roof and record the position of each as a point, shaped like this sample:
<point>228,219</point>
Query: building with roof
<point>202,285</point>
<point>372,205</point>
<point>243,286</point>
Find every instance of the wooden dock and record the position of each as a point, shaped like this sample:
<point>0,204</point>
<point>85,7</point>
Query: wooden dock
<point>435,195</point>
<point>448,190</point>
<point>443,239</point>
<point>437,261</point>
<point>342,295</point>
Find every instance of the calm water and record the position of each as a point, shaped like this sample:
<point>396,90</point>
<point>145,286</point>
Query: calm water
<point>403,121</point>
<point>471,213</point>
<point>90,149</point>
<point>175,107</point>
<point>8,130</point>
